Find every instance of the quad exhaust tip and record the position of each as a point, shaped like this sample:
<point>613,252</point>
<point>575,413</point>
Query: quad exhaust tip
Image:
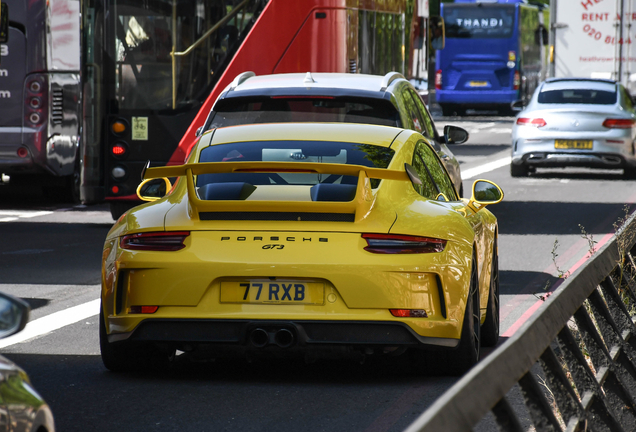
<point>260,338</point>
<point>284,338</point>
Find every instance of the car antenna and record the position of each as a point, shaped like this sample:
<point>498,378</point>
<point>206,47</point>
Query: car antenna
<point>309,78</point>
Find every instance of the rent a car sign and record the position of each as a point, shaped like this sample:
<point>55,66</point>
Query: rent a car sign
<point>588,38</point>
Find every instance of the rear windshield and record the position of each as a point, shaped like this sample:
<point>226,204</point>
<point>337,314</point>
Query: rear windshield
<point>578,96</point>
<point>239,111</point>
<point>293,151</point>
<point>478,21</point>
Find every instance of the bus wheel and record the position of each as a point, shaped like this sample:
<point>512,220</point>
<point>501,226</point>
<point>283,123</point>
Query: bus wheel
<point>72,187</point>
<point>119,208</point>
<point>448,110</point>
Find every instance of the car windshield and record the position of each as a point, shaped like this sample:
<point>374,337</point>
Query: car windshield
<point>578,96</point>
<point>284,109</point>
<point>293,151</point>
<point>488,22</point>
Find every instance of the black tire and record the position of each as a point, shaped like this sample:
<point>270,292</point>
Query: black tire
<point>519,170</point>
<point>629,173</point>
<point>126,356</point>
<point>490,329</point>
<point>459,360</point>
<point>116,357</point>
<point>466,355</point>
<point>448,110</point>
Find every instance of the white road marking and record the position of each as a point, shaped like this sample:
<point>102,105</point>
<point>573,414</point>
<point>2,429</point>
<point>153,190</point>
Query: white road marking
<point>54,321</point>
<point>484,125</point>
<point>13,215</point>
<point>490,166</point>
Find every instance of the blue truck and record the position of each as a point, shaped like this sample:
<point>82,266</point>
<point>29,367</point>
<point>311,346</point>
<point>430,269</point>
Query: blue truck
<point>494,54</point>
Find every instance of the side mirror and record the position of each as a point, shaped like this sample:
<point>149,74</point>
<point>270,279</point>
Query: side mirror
<point>14,315</point>
<point>518,105</point>
<point>4,23</point>
<point>485,193</point>
<point>153,189</point>
<point>455,135</point>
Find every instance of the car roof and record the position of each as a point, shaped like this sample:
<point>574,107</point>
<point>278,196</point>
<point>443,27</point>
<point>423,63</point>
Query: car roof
<point>339,132</point>
<point>248,84</point>
<point>579,83</point>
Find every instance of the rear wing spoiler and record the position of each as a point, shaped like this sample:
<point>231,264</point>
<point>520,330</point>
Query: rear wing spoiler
<point>360,205</point>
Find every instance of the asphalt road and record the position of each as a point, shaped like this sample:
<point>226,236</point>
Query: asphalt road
<point>50,255</point>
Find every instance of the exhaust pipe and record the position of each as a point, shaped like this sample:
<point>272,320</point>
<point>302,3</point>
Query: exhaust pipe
<point>284,338</point>
<point>259,338</point>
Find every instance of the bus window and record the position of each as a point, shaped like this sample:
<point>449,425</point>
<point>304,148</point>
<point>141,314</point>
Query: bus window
<point>146,35</point>
<point>479,22</point>
<point>4,23</point>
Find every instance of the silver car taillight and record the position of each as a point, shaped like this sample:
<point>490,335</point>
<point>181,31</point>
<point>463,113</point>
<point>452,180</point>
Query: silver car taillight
<point>533,122</point>
<point>619,123</point>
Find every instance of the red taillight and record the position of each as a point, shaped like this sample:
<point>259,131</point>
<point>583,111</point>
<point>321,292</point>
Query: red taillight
<point>517,81</point>
<point>409,313</point>
<point>115,190</point>
<point>143,309</point>
<point>155,241</point>
<point>23,152</point>
<point>402,244</point>
<point>619,123</point>
<point>534,122</point>
<point>438,79</point>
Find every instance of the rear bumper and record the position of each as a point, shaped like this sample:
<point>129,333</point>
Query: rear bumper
<point>609,149</point>
<point>305,333</point>
<point>591,160</point>
<point>477,97</point>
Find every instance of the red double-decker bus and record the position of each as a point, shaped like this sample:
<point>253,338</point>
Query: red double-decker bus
<point>152,69</point>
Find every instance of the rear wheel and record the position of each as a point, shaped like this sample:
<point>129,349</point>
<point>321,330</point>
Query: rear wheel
<point>519,170</point>
<point>448,110</point>
<point>125,356</point>
<point>629,173</point>
<point>466,355</point>
<point>459,360</point>
<point>490,329</point>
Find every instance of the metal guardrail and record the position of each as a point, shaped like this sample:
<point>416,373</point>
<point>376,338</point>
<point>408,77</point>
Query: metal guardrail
<point>584,340</point>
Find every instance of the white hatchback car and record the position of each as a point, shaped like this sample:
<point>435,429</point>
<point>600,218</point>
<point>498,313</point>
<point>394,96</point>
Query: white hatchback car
<point>388,100</point>
<point>575,122</point>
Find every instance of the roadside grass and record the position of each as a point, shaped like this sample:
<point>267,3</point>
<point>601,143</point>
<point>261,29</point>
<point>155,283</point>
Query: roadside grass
<point>624,279</point>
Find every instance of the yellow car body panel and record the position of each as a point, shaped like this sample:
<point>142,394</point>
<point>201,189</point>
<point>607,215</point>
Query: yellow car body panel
<point>358,285</point>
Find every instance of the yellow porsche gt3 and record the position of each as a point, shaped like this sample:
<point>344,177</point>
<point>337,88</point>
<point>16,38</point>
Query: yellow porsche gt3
<point>314,239</point>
